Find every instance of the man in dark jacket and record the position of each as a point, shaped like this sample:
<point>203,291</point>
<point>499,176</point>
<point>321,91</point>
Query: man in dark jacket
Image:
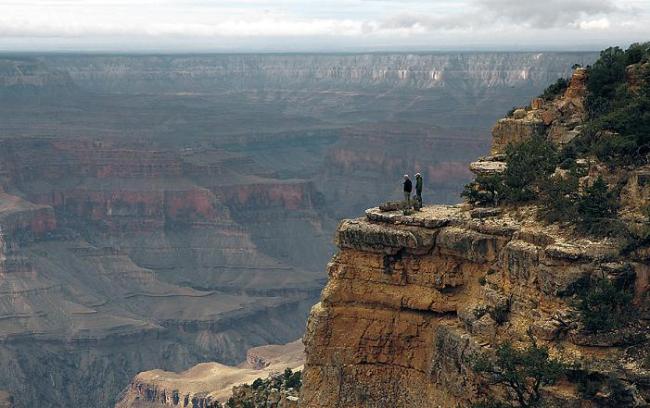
<point>418,189</point>
<point>408,187</point>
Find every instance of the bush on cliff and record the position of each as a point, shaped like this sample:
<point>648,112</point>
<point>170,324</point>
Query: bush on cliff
<point>266,392</point>
<point>485,190</point>
<point>597,210</point>
<point>528,163</point>
<point>523,373</point>
<point>605,305</point>
<point>558,198</point>
<point>555,89</point>
<point>613,107</point>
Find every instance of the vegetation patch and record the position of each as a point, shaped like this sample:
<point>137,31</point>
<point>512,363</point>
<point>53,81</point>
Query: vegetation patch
<point>528,163</point>
<point>555,89</point>
<point>522,372</point>
<point>605,305</point>
<point>266,392</point>
<point>618,130</point>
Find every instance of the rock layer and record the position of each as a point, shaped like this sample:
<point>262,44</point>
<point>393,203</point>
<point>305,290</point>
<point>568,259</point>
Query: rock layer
<point>397,321</point>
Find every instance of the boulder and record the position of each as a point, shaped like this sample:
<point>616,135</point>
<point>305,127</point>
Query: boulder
<point>537,103</point>
<point>513,131</point>
<point>519,113</point>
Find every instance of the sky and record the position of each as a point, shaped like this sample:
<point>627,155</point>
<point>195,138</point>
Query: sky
<point>330,26</point>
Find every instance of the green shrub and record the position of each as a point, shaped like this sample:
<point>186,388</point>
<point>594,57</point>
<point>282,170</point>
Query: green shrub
<point>294,381</point>
<point>589,385</point>
<point>604,305</point>
<point>523,373</point>
<point>637,53</point>
<point>612,107</point>
<point>485,190</point>
<point>618,394</point>
<point>597,210</point>
<point>527,163</point>
<point>257,383</point>
<point>500,313</point>
<point>555,89</point>
<point>604,77</point>
<point>558,198</point>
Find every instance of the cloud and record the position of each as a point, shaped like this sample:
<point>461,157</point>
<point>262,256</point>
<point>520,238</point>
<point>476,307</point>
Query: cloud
<point>349,22</point>
<point>547,13</point>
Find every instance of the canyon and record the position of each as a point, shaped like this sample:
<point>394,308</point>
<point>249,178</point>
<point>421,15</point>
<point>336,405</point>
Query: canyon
<point>163,211</point>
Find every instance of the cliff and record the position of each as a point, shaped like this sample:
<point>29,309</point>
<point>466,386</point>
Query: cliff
<point>414,300</point>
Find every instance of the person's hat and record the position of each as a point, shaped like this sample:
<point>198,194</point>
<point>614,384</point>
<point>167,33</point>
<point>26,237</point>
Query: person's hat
<point>406,176</point>
<point>417,174</point>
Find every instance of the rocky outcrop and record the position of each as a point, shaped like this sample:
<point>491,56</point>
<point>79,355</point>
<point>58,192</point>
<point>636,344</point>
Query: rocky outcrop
<point>397,321</point>
<point>209,384</point>
<point>559,120</point>
<point>413,300</point>
<point>515,130</point>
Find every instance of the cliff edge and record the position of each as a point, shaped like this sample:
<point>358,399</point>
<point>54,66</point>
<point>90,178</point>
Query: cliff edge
<point>415,300</point>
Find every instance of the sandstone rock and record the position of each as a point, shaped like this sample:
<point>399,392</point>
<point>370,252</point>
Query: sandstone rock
<point>429,217</point>
<point>484,327</point>
<point>487,167</point>
<point>401,314</point>
<point>519,113</point>
<point>635,74</point>
<point>401,317</point>
<point>392,206</point>
<point>548,116</point>
<point>513,131</point>
<point>470,245</point>
<point>363,235</point>
<point>208,383</point>
<point>486,212</point>
<point>578,84</point>
<point>560,134</point>
<point>6,400</point>
<point>537,103</point>
<point>546,329</point>
<point>621,337</point>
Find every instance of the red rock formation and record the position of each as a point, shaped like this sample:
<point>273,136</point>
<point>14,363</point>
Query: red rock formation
<point>286,195</point>
<point>578,84</point>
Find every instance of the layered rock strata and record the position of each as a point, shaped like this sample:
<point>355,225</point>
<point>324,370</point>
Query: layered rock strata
<point>397,322</point>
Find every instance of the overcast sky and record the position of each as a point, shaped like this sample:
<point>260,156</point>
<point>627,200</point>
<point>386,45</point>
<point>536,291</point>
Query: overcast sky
<point>311,25</point>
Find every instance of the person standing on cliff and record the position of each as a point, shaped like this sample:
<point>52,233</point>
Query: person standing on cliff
<point>408,187</point>
<point>418,190</point>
